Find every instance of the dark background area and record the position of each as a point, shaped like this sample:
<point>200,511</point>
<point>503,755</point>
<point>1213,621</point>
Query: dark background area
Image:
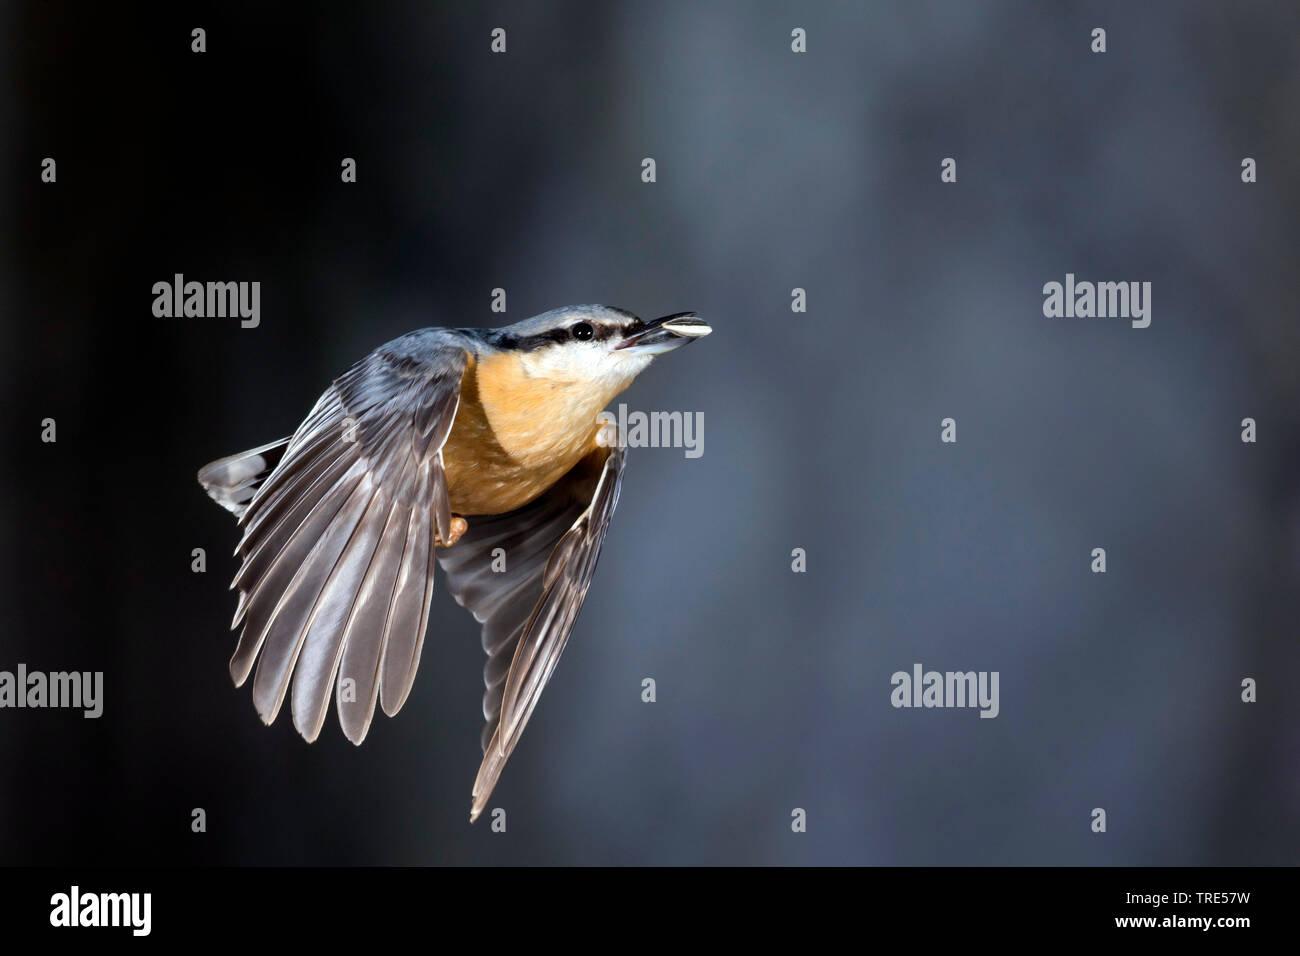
<point>775,171</point>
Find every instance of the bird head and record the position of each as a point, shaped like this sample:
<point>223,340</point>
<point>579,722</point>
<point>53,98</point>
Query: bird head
<point>596,344</point>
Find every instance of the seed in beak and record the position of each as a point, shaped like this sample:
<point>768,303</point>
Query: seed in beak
<point>688,327</point>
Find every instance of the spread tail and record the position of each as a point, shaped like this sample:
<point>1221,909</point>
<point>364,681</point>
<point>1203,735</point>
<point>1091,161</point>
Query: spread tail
<point>233,481</point>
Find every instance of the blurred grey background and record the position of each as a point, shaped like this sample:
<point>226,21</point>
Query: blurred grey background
<point>775,170</point>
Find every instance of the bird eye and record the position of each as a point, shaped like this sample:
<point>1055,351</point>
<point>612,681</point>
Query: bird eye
<point>583,331</point>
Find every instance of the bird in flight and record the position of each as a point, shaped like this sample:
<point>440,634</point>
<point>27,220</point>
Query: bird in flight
<point>477,449</point>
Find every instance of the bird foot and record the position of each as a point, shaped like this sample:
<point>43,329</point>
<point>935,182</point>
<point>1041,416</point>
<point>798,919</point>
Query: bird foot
<point>458,527</point>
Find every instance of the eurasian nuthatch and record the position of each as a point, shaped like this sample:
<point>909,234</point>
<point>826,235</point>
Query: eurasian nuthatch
<point>342,521</point>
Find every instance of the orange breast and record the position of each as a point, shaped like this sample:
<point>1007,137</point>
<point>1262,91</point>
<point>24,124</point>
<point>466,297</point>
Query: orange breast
<point>514,435</point>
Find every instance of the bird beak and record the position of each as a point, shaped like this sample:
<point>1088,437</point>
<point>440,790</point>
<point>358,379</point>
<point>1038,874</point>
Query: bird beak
<point>666,334</point>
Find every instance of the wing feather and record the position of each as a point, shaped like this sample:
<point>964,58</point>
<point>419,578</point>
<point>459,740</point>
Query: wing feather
<point>367,631</point>
<point>409,613</point>
<point>338,539</point>
<point>528,611</point>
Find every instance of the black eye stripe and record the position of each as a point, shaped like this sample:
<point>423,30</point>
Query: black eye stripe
<point>530,343</point>
<point>599,332</point>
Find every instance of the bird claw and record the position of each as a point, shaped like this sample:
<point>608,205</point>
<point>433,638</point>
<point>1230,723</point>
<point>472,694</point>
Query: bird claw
<point>458,527</point>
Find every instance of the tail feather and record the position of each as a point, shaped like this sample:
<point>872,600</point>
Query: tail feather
<point>232,482</point>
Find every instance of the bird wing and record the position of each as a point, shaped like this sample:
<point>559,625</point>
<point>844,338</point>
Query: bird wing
<point>338,541</point>
<point>528,607</point>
